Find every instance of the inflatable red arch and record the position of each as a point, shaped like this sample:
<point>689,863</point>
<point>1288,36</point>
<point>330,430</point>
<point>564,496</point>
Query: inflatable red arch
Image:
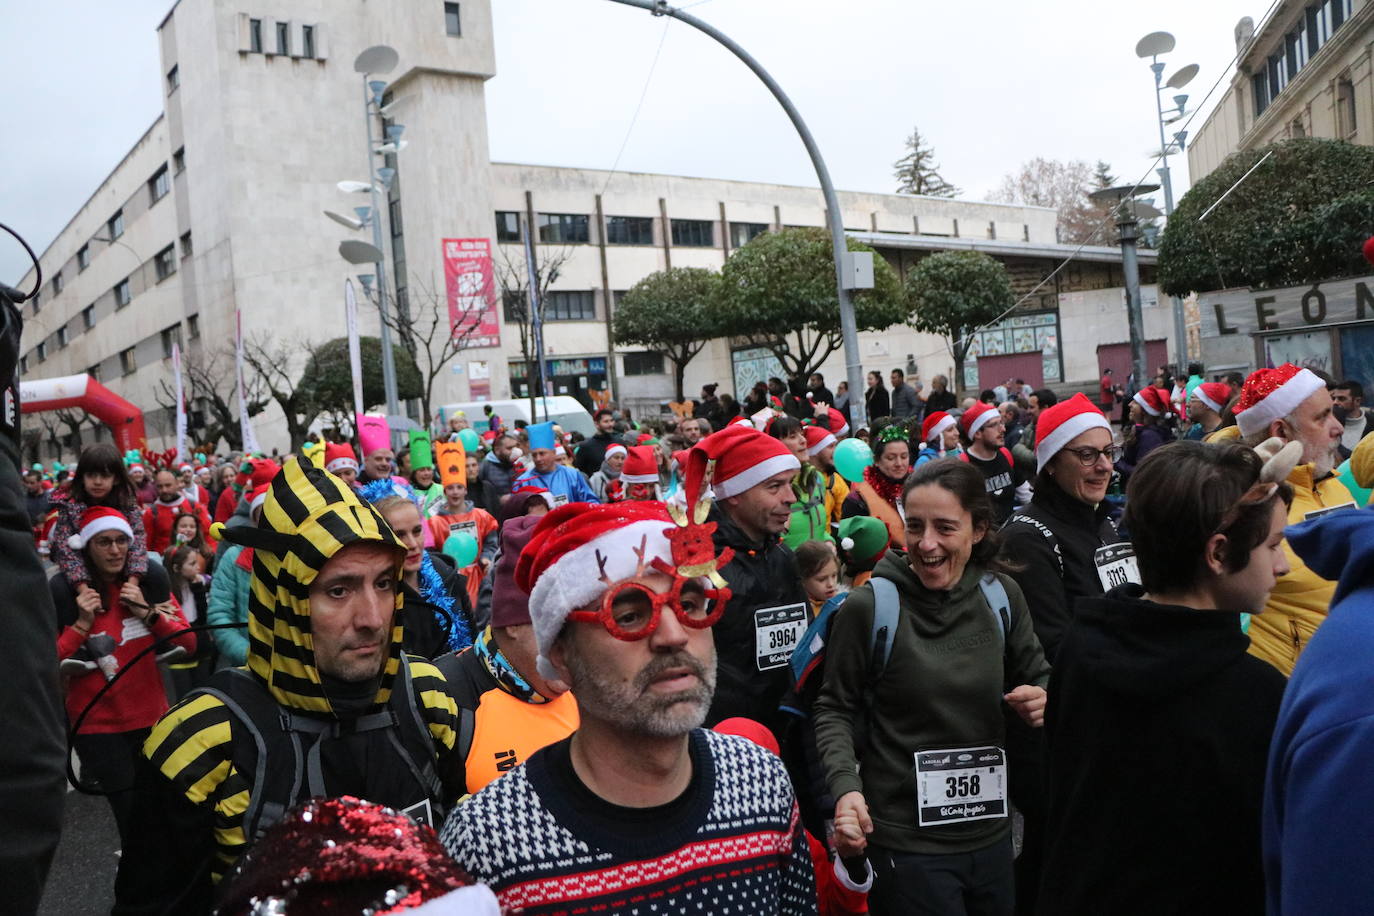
<point>124,419</point>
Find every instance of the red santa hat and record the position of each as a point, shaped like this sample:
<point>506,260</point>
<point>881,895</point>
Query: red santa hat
<point>1272,394</point>
<point>579,550</point>
<point>935,424</point>
<point>742,421</point>
<point>97,519</point>
<point>641,466</point>
<point>976,417</point>
<point>743,457</point>
<point>1213,394</point>
<point>612,450</point>
<point>1061,424</point>
<point>838,424</point>
<point>1152,400</point>
<point>818,440</point>
<point>258,497</point>
<point>339,456</point>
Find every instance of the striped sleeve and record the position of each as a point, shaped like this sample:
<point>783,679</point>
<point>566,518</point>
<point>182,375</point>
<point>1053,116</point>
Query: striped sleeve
<point>437,705</point>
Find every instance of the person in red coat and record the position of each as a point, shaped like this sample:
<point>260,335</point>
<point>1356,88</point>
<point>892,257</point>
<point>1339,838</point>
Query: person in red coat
<point>100,631</point>
<point>160,518</point>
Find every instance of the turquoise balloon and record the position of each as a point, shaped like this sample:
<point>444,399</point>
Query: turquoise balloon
<point>462,547</point>
<point>851,457</point>
<point>1347,477</point>
<point>471,441</point>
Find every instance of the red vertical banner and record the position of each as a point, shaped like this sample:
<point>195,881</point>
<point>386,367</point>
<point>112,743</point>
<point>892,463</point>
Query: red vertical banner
<point>471,284</point>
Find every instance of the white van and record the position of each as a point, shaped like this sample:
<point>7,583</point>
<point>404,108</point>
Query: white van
<point>564,410</point>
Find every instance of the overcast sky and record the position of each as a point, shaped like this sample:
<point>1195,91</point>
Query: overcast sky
<point>990,84</point>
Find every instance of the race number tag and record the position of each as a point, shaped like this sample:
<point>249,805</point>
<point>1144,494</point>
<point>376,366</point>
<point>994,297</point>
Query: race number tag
<point>468,527</point>
<point>1318,513</point>
<point>777,630</point>
<point>1116,566</point>
<point>962,784</point>
<point>560,500</point>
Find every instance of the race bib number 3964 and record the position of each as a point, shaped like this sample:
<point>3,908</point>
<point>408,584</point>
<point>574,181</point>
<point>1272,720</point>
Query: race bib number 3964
<point>777,630</point>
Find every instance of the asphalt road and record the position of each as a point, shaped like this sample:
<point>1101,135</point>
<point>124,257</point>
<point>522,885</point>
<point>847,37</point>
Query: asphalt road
<point>81,882</point>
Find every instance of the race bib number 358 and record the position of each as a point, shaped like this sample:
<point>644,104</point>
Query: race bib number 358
<point>777,630</point>
<point>960,784</point>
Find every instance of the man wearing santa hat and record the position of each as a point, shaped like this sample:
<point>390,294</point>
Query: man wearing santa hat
<point>566,484</point>
<point>160,519</point>
<point>640,809</point>
<point>751,475</point>
<point>1293,405</point>
<point>1205,404</point>
<point>984,436</point>
<point>820,448</point>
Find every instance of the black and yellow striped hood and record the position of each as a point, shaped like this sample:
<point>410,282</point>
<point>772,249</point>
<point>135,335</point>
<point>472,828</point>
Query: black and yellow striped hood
<point>309,515</point>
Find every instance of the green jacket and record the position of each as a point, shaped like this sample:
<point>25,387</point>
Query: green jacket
<point>942,688</point>
<point>810,520</point>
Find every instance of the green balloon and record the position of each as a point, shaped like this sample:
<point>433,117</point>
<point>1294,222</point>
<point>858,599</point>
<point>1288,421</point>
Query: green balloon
<point>1347,477</point>
<point>462,547</point>
<point>471,441</point>
<point>851,457</point>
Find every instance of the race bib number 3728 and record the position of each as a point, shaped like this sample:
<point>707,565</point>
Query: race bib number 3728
<point>777,630</point>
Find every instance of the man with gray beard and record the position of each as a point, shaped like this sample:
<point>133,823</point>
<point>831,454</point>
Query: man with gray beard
<point>640,810</point>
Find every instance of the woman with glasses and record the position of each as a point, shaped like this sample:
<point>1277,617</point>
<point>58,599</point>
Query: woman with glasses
<point>1055,546</point>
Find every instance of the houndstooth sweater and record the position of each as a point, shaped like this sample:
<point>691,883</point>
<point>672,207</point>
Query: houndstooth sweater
<point>732,843</point>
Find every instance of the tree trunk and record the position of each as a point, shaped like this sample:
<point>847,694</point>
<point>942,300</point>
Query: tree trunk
<point>679,371</point>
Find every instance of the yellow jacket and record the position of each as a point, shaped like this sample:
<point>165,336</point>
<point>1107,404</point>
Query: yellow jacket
<point>836,490</point>
<point>1300,600</point>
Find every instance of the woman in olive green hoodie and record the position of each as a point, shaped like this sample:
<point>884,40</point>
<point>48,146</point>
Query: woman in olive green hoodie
<point>930,807</point>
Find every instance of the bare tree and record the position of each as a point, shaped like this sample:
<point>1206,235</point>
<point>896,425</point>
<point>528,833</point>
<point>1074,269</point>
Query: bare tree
<point>1065,187</point>
<point>208,380</point>
<point>270,359</point>
<point>432,335</point>
<point>513,281</point>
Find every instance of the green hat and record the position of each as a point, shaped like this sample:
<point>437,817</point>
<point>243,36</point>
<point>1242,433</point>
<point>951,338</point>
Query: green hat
<point>863,541</point>
<point>421,451</point>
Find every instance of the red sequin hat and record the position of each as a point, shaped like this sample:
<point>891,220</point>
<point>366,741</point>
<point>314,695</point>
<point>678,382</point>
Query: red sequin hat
<point>1272,394</point>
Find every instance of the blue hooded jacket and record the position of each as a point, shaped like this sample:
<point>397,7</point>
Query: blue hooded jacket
<point>1319,798</point>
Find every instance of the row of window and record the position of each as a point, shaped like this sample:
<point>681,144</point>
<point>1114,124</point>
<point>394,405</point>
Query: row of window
<point>1314,29</point>
<point>575,229</point>
<point>281,44</point>
<point>128,357</point>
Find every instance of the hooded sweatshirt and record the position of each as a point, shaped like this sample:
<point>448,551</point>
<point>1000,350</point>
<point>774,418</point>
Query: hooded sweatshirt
<point>942,689</point>
<point>1319,799</point>
<point>1157,726</point>
<point>206,760</point>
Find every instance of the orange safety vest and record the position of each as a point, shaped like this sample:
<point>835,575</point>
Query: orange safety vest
<point>884,511</point>
<point>508,731</point>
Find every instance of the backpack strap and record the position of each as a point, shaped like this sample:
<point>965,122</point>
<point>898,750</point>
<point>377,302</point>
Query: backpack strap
<point>1006,453</point>
<point>886,608</point>
<point>995,594</point>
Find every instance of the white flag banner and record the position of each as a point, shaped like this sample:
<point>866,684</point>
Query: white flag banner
<point>355,353</point>
<point>250,439</point>
<point>182,454</point>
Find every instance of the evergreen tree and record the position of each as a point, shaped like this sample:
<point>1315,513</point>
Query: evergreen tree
<point>918,173</point>
<point>1102,175</point>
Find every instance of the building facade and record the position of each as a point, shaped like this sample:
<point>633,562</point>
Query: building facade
<point>217,215</point>
<point>1305,72</point>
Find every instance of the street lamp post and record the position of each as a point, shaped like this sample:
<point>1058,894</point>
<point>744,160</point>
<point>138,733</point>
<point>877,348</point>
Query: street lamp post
<point>379,59</point>
<point>1151,46</point>
<point>843,263</point>
<point>1128,212</point>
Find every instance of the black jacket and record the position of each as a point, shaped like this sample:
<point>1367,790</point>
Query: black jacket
<point>1053,575</point>
<point>1158,728</point>
<point>877,403</point>
<point>760,576</point>
<point>940,400</point>
<point>425,635</point>
<point>592,452</point>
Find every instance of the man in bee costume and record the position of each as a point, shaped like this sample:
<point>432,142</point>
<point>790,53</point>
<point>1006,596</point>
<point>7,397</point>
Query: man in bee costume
<point>326,706</point>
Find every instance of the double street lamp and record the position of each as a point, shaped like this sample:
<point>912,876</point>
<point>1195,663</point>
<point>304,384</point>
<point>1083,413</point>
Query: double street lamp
<point>1152,46</point>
